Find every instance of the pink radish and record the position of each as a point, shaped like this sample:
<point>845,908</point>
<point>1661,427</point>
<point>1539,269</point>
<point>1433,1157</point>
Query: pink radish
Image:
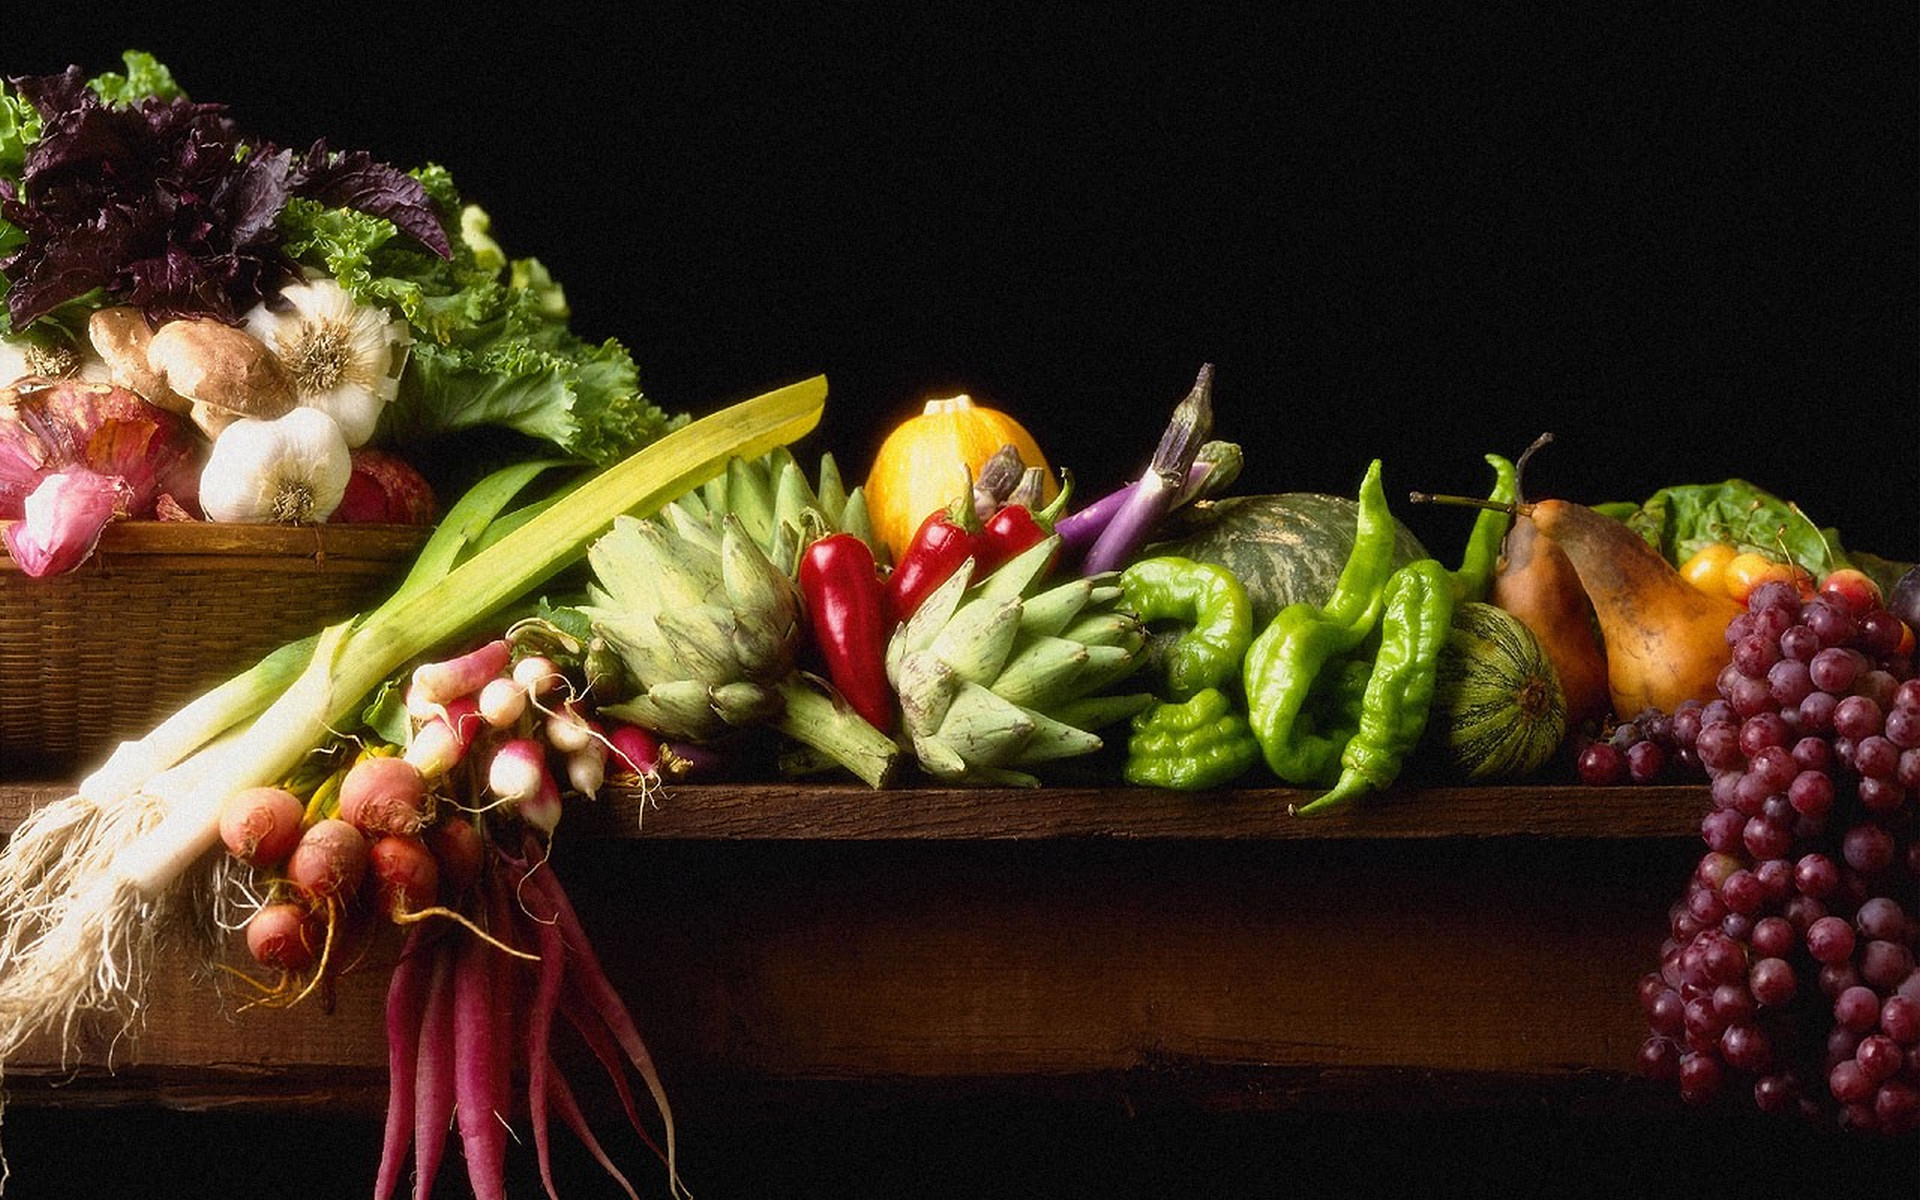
<point>540,1010</point>
<point>593,1032</point>
<point>381,794</point>
<point>463,675</point>
<point>460,849</point>
<point>537,674</point>
<point>602,1000</point>
<point>480,1108</point>
<point>330,860</point>
<point>433,1086</point>
<point>439,744</point>
<point>283,935</point>
<point>587,767</point>
<point>569,1109</point>
<point>633,754</point>
<point>542,810</point>
<point>518,770</point>
<point>406,999</point>
<point>261,825</point>
<point>502,702</point>
<point>567,728</point>
<point>405,875</point>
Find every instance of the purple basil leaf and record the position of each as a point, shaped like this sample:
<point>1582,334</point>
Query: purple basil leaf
<point>353,179</point>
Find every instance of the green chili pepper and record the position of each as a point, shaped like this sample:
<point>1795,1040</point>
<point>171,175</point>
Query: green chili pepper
<point>1192,745</point>
<point>1356,596</point>
<point>1414,623</point>
<point>1211,600</point>
<point>1482,557</point>
<point>1295,658</point>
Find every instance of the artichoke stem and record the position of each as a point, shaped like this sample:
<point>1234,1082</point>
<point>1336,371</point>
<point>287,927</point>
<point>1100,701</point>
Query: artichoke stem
<point>815,718</point>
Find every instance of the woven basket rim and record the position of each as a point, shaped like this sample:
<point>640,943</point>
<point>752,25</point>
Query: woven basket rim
<point>378,543</point>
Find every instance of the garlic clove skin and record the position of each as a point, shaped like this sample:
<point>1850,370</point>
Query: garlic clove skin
<point>291,470</point>
<point>345,357</point>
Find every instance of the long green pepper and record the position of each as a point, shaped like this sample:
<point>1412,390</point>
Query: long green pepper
<point>1414,623</point>
<point>1290,666</point>
<point>1474,577</point>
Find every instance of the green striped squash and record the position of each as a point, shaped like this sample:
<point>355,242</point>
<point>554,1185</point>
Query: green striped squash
<point>1283,547</point>
<point>1498,711</point>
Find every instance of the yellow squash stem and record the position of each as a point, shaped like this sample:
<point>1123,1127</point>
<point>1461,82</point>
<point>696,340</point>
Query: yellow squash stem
<point>81,941</point>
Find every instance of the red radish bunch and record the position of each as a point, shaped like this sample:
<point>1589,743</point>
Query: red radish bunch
<point>464,1021</point>
<point>447,837</point>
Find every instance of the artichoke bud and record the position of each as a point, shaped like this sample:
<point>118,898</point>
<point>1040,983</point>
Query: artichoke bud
<point>1109,628</point>
<point>678,708</point>
<point>831,490</point>
<point>1012,578</point>
<point>918,631</point>
<point>1105,666</point>
<point>1053,739</point>
<point>925,685</point>
<point>979,638</point>
<point>701,640</point>
<point>793,498</point>
<point>983,729</point>
<point>1049,612</point>
<point>1041,670</point>
<point>856,520</point>
<point>765,602</point>
<point>605,669</point>
<point>939,759</point>
<point>741,703</point>
<point>750,497</point>
<point>692,523</point>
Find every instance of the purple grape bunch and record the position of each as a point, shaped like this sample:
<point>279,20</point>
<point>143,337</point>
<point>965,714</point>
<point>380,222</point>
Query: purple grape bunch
<point>1789,972</point>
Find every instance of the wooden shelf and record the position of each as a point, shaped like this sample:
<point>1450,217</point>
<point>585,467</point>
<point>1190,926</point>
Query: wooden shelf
<point>850,812</point>
<point>1425,948</point>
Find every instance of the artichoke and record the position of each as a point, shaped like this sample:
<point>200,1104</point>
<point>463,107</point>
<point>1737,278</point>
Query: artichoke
<point>1011,672</point>
<point>709,631</point>
<point>780,509</point>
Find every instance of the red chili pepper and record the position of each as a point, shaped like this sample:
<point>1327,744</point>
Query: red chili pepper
<point>938,548</point>
<point>1013,528</point>
<point>847,604</point>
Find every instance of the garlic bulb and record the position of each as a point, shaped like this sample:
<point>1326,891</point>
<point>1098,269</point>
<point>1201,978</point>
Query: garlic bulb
<point>345,357</point>
<point>291,470</point>
<point>46,358</point>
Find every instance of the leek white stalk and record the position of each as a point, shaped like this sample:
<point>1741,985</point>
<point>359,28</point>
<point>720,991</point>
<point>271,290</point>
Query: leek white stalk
<point>78,939</point>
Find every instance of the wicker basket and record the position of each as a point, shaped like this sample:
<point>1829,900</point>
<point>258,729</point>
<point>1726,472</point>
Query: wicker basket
<point>162,611</point>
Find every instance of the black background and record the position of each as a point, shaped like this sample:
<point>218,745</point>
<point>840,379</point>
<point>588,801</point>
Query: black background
<point>1680,237</point>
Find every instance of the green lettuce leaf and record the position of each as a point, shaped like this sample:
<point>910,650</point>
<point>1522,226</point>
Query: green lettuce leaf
<point>1679,520</point>
<point>493,345</point>
<point>146,79</point>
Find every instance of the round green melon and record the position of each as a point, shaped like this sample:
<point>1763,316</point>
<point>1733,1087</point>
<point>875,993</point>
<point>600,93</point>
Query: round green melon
<point>1498,711</point>
<point>1284,547</point>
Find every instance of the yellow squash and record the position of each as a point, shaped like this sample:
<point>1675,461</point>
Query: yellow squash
<point>927,461</point>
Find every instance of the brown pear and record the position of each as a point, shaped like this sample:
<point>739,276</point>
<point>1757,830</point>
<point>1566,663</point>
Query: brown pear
<point>1536,582</point>
<point>1665,639</point>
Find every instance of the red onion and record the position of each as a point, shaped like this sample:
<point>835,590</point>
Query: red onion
<point>74,456</point>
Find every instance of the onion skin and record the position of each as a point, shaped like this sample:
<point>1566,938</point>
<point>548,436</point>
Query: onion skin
<point>386,489</point>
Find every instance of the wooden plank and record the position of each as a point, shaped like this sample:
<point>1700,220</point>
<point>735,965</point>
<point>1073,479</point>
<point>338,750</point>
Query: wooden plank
<point>840,812</point>
<point>1234,974</point>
